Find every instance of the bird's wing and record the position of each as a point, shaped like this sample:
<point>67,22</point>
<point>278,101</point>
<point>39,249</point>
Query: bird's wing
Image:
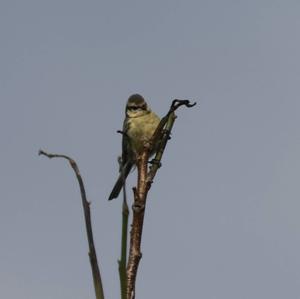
<point>125,143</point>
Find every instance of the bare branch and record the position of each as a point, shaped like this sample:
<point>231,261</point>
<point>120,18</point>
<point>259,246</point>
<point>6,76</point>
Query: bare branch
<point>145,178</point>
<point>87,216</point>
<point>123,260</point>
<point>165,137</point>
<point>140,195</point>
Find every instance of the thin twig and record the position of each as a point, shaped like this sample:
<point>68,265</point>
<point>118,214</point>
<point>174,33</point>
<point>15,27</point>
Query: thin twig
<point>87,216</point>
<point>165,136</point>
<point>123,260</point>
<point>145,178</point>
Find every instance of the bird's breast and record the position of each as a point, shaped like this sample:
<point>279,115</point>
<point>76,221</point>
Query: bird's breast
<point>141,129</point>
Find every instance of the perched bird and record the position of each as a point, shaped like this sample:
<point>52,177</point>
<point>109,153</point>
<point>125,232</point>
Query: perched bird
<point>139,126</point>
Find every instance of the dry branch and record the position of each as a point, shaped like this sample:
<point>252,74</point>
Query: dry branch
<point>88,224</point>
<point>145,179</point>
<point>123,260</point>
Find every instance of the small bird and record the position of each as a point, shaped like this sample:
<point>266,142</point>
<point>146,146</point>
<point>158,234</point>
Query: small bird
<point>138,127</point>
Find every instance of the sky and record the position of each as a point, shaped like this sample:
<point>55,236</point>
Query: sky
<point>222,215</point>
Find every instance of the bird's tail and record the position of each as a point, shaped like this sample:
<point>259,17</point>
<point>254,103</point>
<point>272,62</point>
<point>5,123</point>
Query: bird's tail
<point>120,182</point>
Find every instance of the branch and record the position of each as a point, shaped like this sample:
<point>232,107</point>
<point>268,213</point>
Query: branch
<point>165,136</point>
<point>123,260</point>
<point>87,216</point>
<point>157,136</point>
<point>140,195</point>
<point>145,179</point>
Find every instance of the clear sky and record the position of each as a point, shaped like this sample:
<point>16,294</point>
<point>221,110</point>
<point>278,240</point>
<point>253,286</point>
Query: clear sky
<point>222,218</point>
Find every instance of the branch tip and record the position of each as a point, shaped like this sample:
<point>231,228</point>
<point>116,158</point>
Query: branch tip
<point>87,216</point>
<point>177,103</point>
<point>122,133</point>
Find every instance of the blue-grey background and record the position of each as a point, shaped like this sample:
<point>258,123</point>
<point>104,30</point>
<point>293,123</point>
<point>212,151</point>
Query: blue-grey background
<point>222,219</point>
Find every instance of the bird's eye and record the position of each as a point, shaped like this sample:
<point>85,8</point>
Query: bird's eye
<point>135,108</point>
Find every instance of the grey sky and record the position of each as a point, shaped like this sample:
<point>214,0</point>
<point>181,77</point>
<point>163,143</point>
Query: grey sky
<point>222,219</point>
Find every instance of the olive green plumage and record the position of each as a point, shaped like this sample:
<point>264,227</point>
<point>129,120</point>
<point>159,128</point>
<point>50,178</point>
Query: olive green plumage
<point>138,127</point>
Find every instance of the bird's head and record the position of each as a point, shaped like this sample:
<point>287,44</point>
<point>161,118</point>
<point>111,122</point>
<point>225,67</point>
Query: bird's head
<point>136,106</point>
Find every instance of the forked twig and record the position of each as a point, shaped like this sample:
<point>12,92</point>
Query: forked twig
<point>145,179</point>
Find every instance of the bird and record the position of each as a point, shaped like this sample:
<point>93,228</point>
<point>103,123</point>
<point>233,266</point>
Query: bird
<point>139,126</point>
